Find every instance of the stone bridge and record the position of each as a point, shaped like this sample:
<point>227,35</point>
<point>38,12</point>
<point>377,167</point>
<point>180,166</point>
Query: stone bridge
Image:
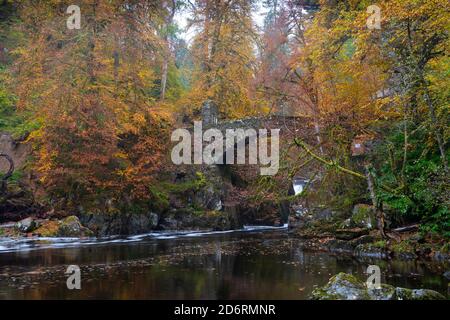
<point>243,133</point>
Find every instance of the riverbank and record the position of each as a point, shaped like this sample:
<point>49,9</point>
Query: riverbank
<point>316,235</point>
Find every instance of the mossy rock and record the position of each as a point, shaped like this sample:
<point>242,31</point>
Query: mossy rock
<point>385,292</point>
<point>371,250</point>
<point>48,229</point>
<point>69,227</point>
<point>418,294</point>
<point>345,286</point>
<point>364,216</point>
<point>342,286</point>
<point>404,250</point>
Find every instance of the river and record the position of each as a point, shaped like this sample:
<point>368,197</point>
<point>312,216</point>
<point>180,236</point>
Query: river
<point>247,264</point>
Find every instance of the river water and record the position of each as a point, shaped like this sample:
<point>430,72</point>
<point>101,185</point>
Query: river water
<point>248,264</point>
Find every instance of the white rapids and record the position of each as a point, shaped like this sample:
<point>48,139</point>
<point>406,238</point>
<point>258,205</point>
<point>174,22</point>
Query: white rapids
<point>36,243</point>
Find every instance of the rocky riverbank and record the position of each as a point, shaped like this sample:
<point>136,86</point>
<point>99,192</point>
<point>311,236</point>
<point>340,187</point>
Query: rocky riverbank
<point>347,287</point>
<point>325,231</point>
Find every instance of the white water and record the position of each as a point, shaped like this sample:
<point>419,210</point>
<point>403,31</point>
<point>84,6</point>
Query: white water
<point>36,243</point>
<point>299,185</point>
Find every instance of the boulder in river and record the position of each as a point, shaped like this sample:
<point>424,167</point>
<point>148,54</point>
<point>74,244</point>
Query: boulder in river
<point>27,225</point>
<point>345,286</point>
<point>68,227</point>
<point>71,227</point>
<point>342,286</point>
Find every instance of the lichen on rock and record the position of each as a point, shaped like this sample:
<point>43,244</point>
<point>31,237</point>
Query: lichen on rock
<point>345,286</point>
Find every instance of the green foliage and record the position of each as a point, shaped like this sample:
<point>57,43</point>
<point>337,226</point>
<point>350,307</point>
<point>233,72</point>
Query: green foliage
<point>161,191</point>
<point>192,185</point>
<point>11,120</point>
<point>160,197</point>
<point>380,244</point>
<point>421,184</point>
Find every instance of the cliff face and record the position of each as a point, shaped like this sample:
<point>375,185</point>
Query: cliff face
<point>17,197</point>
<point>17,150</point>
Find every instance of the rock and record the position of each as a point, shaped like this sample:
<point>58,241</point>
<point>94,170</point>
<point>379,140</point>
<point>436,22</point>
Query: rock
<point>107,224</point>
<point>404,250</point>
<point>405,255</point>
<point>339,246</point>
<point>385,292</point>
<point>342,286</point>
<point>19,151</point>
<point>349,234</point>
<point>345,286</point>
<point>417,294</point>
<point>323,214</point>
<point>169,223</point>
<point>71,227</point>
<point>219,205</point>
<point>208,198</point>
<point>27,225</point>
<point>370,251</point>
<point>142,223</point>
<point>441,256</point>
<point>48,229</point>
<point>447,274</point>
<point>346,223</point>
<point>265,213</point>
<point>154,220</point>
<point>364,216</point>
<point>362,240</point>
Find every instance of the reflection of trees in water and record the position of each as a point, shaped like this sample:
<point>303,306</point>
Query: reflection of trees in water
<point>247,267</point>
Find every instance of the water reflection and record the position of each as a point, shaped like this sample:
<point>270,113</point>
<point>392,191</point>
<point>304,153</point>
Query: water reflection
<point>232,266</point>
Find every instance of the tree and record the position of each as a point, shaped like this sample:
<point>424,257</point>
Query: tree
<point>224,55</point>
<point>91,89</point>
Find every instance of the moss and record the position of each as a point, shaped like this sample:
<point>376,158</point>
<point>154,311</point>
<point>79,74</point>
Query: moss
<point>380,244</point>
<point>386,292</point>
<point>402,247</point>
<point>403,294</point>
<point>70,219</point>
<point>197,212</point>
<point>48,229</point>
<point>341,287</point>
<point>346,277</point>
<point>445,248</point>
<point>162,191</point>
<point>363,215</point>
<point>213,213</point>
<point>191,185</point>
<point>321,294</point>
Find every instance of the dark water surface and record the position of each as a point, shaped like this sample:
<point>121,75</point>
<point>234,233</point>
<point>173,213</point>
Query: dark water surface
<point>243,265</point>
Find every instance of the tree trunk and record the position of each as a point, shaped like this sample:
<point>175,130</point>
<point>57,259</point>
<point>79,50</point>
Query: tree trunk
<point>375,203</point>
<point>166,55</point>
<point>434,125</point>
<point>164,71</point>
